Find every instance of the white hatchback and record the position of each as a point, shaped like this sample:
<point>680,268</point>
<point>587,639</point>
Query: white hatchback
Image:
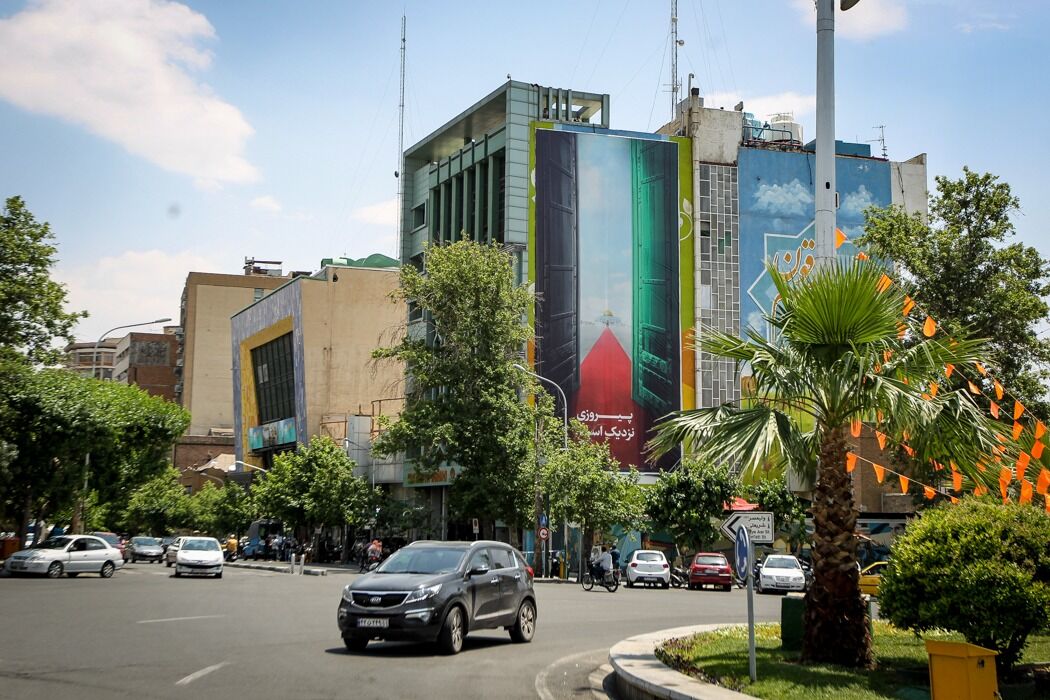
<point>198,556</point>
<point>781,573</point>
<point>648,566</point>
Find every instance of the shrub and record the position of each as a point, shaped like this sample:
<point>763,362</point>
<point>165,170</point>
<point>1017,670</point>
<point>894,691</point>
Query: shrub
<point>977,568</point>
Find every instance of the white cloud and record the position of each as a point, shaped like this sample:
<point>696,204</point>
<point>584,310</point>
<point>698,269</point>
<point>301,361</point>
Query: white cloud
<point>379,214</point>
<point>137,285</point>
<point>866,20</point>
<point>764,105</point>
<point>985,21</point>
<point>267,203</point>
<point>784,200</point>
<point>122,69</point>
<point>854,203</point>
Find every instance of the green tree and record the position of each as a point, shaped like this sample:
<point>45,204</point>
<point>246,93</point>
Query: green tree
<point>789,513</point>
<point>31,303</point>
<point>463,404</point>
<point>963,270</point>
<point>585,485</point>
<point>688,502</point>
<point>312,487</point>
<point>978,568</point>
<point>160,505</point>
<point>839,357</point>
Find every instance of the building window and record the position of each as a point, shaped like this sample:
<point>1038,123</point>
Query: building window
<point>258,294</point>
<point>419,216</point>
<point>274,367</point>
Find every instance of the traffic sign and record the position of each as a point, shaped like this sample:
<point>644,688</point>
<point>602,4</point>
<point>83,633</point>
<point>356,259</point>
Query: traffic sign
<point>743,554</point>
<point>758,523</point>
<point>544,533</point>
<point>543,520</point>
<point>476,525</point>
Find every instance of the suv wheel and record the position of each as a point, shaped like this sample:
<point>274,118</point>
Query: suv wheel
<point>450,639</point>
<point>525,624</point>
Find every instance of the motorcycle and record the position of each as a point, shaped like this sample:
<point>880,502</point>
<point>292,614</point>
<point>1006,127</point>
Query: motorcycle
<point>609,579</point>
<point>679,577</point>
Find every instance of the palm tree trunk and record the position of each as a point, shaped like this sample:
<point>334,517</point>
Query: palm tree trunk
<point>836,629</point>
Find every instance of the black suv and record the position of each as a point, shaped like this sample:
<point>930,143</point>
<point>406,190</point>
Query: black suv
<point>438,591</point>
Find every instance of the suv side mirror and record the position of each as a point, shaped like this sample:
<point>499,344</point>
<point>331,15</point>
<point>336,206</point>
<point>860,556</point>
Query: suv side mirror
<point>479,570</point>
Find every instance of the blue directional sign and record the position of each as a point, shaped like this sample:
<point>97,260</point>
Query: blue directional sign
<point>743,553</point>
<point>543,520</point>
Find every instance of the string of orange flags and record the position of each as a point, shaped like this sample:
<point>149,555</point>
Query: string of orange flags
<point>1037,429</point>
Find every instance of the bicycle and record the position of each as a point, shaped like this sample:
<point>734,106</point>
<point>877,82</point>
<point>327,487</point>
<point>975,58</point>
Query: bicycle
<point>608,579</point>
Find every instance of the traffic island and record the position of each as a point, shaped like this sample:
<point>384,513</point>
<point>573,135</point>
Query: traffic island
<point>276,567</point>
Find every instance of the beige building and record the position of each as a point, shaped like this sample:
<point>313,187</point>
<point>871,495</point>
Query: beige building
<point>302,364</point>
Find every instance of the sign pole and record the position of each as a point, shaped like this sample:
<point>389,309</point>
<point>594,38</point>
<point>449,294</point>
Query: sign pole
<point>751,613</point>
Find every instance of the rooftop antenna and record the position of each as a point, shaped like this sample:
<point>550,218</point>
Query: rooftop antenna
<point>676,84</point>
<point>399,173</point>
<point>881,139</point>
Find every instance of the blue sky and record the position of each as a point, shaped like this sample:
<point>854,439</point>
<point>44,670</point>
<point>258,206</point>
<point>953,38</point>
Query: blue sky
<point>163,137</point>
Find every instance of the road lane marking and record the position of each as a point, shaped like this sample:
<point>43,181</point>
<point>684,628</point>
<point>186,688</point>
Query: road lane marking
<point>179,619</point>
<point>198,674</point>
<point>540,683</point>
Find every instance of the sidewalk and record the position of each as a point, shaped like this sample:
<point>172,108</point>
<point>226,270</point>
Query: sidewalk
<point>325,569</point>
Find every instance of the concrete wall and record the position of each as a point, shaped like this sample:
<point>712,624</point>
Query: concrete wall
<point>908,184</point>
<point>719,133</point>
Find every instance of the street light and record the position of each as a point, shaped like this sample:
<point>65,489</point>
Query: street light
<point>246,466</point>
<point>94,355</point>
<point>201,471</point>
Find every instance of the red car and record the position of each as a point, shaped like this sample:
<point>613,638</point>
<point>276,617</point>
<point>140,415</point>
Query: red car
<point>710,569</point>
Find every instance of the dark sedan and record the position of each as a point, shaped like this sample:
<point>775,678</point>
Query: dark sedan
<point>438,592</point>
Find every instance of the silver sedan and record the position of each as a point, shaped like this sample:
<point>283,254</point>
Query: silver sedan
<point>70,555</point>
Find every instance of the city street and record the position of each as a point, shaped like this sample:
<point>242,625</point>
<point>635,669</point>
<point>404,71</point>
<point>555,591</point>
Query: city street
<point>145,634</point>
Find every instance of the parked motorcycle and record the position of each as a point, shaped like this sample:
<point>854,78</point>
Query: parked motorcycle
<point>679,577</point>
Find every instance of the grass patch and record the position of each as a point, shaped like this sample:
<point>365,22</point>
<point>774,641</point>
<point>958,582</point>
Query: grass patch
<point>721,657</point>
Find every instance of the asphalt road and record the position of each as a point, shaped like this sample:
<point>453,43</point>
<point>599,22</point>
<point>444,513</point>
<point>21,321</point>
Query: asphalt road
<point>145,634</point>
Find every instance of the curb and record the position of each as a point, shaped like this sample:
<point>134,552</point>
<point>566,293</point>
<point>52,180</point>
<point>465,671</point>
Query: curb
<point>642,676</point>
<point>281,569</point>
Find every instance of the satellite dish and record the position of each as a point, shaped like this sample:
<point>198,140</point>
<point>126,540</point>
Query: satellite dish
<point>847,4</point>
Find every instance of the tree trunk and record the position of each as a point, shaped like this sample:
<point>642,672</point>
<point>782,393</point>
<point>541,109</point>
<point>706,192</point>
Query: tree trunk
<point>836,629</point>
<point>23,525</point>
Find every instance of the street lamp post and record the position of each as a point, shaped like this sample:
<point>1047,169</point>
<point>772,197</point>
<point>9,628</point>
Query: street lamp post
<point>94,355</point>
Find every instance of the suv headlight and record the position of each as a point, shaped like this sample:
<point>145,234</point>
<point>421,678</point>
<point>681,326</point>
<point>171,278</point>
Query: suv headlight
<point>348,596</point>
<point>423,593</point>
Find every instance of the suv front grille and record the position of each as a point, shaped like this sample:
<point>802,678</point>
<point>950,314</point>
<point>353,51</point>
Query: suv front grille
<point>364,599</point>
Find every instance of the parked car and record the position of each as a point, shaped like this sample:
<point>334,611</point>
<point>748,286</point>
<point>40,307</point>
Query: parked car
<point>437,592</point>
<point>871,577</point>
<point>198,556</point>
<point>166,541</point>
<point>144,548</point>
<point>710,569</point>
<point>648,566</point>
<point>171,550</point>
<point>71,555</point>
<point>780,573</point>
<point>113,540</point>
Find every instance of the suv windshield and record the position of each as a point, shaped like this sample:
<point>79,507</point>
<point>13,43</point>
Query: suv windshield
<point>781,563</point>
<point>54,543</point>
<point>423,560</point>
<point>200,545</point>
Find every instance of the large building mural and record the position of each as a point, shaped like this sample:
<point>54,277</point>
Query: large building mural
<point>776,218</point>
<point>610,226</point>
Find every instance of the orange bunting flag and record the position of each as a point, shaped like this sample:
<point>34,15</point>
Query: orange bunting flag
<point>1018,409</point>
<point>854,427</point>
<point>840,238</point>
<point>1004,492</point>
<point>927,396</point>
<point>929,327</point>
<point>1005,476</point>
<point>1040,429</point>
<point>886,355</point>
<point>904,483</point>
<point>981,467</point>
<point>1047,503</point>
<point>851,462</point>
<point>998,389</point>
<point>902,330</point>
<point>937,466</point>
<point>979,490</point>
<point>954,499</point>
<point>981,369</point>
<point>973,387</point>
<point>1043,482</point>
<point>1022,465</point>
<point>880,472</point>
<point>862,255</point>
<point>909,304</point>
<point>906,435</point>
<point>877,367</point>
<point>881,437</point>
<point>1018,429</point>
<point>1037,449</point>
<point>934,388</point>
<point>948,369</point>
<point>1026,492</point>
<point>957,481</point>
<point>994,408</point>
<point>909,449</point>
<point>884,283</point>
<point>952,464</point>
<point>928,492</point>
<point>878,414</point>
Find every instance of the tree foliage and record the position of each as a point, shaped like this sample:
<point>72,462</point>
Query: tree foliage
<point>463,393</point>
<point>688,501</point>
<point>312,487</point>
<point>31,303</point>
<point>964,271</point>
<point>843,353</point>
<point>160,505</point>
<point>978,568</point>
<point>220,511</point>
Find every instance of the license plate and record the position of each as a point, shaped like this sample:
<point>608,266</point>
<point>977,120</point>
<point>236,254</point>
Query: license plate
<point>373,622</point>
<point>17,565</point>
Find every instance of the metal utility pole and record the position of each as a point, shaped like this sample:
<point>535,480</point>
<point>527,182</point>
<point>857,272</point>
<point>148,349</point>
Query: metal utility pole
<point>401,146</point>
<point>881,140</point>
<point>676,84</point>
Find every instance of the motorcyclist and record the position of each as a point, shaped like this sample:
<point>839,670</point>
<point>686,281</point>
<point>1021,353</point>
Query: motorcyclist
<point>601,564</point>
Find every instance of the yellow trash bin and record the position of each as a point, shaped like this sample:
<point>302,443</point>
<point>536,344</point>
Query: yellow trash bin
<point>961,671</point>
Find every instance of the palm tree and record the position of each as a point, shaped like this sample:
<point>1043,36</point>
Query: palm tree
<point>844,352</point>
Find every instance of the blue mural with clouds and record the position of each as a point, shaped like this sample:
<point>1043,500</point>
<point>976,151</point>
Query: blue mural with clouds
<point>776,217</point>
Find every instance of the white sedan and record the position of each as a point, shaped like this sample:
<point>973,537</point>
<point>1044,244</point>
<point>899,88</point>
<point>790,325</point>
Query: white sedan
<point>198,556</point>
<point>70,555</point>
<point>648,566</point>
<point>781,573</point>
